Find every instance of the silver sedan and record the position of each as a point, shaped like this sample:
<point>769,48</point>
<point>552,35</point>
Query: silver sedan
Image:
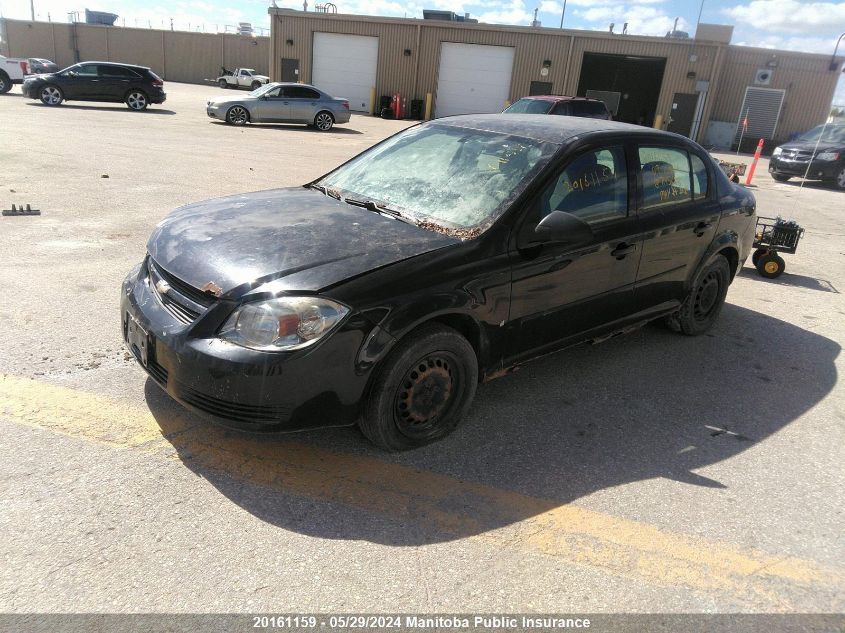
<point>281,103</point>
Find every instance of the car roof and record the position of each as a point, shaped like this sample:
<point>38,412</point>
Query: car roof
<point>549,129</point>
<point>558,98</point>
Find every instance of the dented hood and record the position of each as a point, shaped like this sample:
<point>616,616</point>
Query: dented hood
<point>300,237</point>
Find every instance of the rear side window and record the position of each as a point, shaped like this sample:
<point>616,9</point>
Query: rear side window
<point>301,92</point>
<point>562,109</point>
<point>665,176</point>
<point>588,109</point>
<point>118,71</point>
<point>529,106</point>
<point>700,189</point>
<point>593,187</point>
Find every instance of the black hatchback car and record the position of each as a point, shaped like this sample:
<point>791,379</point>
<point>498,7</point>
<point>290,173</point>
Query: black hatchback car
<point>386,290</point>
<point>819,153</point>
<point>136,86</point>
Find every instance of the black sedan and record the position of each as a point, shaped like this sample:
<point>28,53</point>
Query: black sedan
<point>136,86</point>
<point>386,290</point>
<point>819,153</point>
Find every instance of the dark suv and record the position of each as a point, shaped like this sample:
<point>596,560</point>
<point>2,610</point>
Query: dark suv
<point>136,86</point>
<point>828,162</point>
<point>561,105</point>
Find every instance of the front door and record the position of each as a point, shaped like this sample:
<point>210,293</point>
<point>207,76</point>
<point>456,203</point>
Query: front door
<point>290,70</point>
<point>679,215</point>
<point>273,106</point>
<point>560,292</point>
<point>683,111</point>
<point>81,82</point>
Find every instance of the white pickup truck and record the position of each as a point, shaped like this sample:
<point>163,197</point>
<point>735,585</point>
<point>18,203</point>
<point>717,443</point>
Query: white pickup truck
<point>12,71</point>
<point>241,78</point>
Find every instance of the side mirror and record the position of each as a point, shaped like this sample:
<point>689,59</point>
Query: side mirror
<point>564,228</point>
<point>71,73</point>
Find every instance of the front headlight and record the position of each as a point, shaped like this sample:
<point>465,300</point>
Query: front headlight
<point>282,324</point>
<point>828,156</point>
<point>778,151</point>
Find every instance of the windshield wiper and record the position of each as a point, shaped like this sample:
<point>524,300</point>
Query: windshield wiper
<point>329,192</point>
<point>379,208</point>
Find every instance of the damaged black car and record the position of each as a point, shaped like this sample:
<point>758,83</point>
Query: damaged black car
<point>383,292</point>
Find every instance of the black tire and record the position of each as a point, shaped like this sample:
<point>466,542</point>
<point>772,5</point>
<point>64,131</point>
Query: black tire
<point>5,83</point>
<point>324,121</point>
<point>704,303</point>
<point>223,83</point>
<point>839,179</point>
<point>51,95</point>
<point>771,266</point>
<point>756,255</point>
<point>781,177</point>
<point>255,85</point>
<point>237,115</point>
<point>421,391</point>
<point>136,100</point>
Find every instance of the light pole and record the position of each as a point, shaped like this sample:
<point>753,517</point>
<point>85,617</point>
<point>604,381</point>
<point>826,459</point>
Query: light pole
<point>833,64</point>
<point>562,13</point>
<point>32,9</point>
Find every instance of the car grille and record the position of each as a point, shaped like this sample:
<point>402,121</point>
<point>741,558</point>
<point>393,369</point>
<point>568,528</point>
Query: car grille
<point>231,410</point>
<point>182,300</point>
<point>796,154</point>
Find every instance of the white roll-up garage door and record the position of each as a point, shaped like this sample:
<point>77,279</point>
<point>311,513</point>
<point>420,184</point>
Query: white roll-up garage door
<point>473,78</point>
<point>345,67</point>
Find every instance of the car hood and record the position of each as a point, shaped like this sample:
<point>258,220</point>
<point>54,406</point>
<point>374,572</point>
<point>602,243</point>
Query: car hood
<point>297,238</point>
<point>809,146</point>
<point>232,99</point>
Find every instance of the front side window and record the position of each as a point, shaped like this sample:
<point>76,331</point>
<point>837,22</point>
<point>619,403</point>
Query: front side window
<point>529,106</point>
<point>85,70</point>
<point>455,177</point>
<point>665,175</point>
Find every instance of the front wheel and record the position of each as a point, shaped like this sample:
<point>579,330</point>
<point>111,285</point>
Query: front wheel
<point>237,115</point>
<point>324,121</point>
<point>136,100</point>
<point>781,177</point>
<point>704,303</point>
<point>255,85</point>
<point>422,391</point>
<point>839,181</point>
<point>51,95</point>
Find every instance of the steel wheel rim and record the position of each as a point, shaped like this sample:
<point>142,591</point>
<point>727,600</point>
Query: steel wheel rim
<point>771,267</point>
<point>137,101</point>
<point>324,121</point>
<point>427,393</point>
<point>52,95</point>
<point>237,115</point>
<point>706,296</point>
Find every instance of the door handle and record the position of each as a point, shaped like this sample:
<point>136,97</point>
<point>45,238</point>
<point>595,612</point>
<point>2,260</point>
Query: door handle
<point>622,250</point>
<point>701,228</point>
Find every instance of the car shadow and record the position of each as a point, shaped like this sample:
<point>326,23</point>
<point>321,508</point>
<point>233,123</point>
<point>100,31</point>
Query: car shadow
<point>789,279</point>
<point>647,405</point>
<point>117,107</point>
<point>295,127</point>
<point>795,181</point>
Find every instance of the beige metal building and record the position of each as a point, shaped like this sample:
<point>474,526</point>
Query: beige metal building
<point>701,87</point>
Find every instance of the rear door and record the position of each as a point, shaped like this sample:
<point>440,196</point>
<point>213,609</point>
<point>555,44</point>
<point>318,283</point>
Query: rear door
<point>115,81</point>
<point>303,103</point>
<point>559,292</point>
<point>679,213</point>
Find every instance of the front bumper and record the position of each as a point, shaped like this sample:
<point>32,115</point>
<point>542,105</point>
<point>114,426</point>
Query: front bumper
<point>238,387</point>
<point>819,169</point>
<point>214,113</point>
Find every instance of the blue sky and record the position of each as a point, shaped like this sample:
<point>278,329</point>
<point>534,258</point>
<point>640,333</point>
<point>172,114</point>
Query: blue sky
<point>789,24</point>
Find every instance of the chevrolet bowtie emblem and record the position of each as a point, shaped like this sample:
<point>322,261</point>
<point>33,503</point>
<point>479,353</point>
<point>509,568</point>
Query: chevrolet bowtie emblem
<point>162,287</point>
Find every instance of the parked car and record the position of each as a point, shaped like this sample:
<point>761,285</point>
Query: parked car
<point>136,86</point>
<point>557,104</point>
<point>446,254</point>
<point>281,103</point>
<point>12,71</point>
<point>38,65</point>
<point>241,78</point>
<point>793,158</point>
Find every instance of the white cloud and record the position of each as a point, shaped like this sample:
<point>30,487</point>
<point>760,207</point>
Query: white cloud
<point>790,16</point>
<point>513,12</point>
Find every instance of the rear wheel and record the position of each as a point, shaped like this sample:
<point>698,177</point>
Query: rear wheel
<point>237,115</point>
<point>222,83</point>
<point>51,95</point>
<point>704,302</point>
<point>5,83</point>
<point>422,391</point>
<point>771,265</point>
<point>324,121</point>
<point>781,177</point>
<point>136,100</point>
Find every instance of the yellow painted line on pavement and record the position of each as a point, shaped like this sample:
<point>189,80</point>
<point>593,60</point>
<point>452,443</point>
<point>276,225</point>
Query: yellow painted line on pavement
<point>430,500</point>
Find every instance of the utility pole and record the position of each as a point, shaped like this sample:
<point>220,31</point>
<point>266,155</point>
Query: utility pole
<point>562,13</point>
<point>32,9</point>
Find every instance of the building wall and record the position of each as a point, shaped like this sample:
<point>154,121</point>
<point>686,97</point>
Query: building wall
<point>175,55</point>
<point>729,69</point>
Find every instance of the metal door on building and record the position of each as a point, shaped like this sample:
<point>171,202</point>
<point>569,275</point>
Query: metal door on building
<point>290,70</point>
<point>683,113</point>
<point>345,67</point>
<point>473,78</point>
<point>758,117</point>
